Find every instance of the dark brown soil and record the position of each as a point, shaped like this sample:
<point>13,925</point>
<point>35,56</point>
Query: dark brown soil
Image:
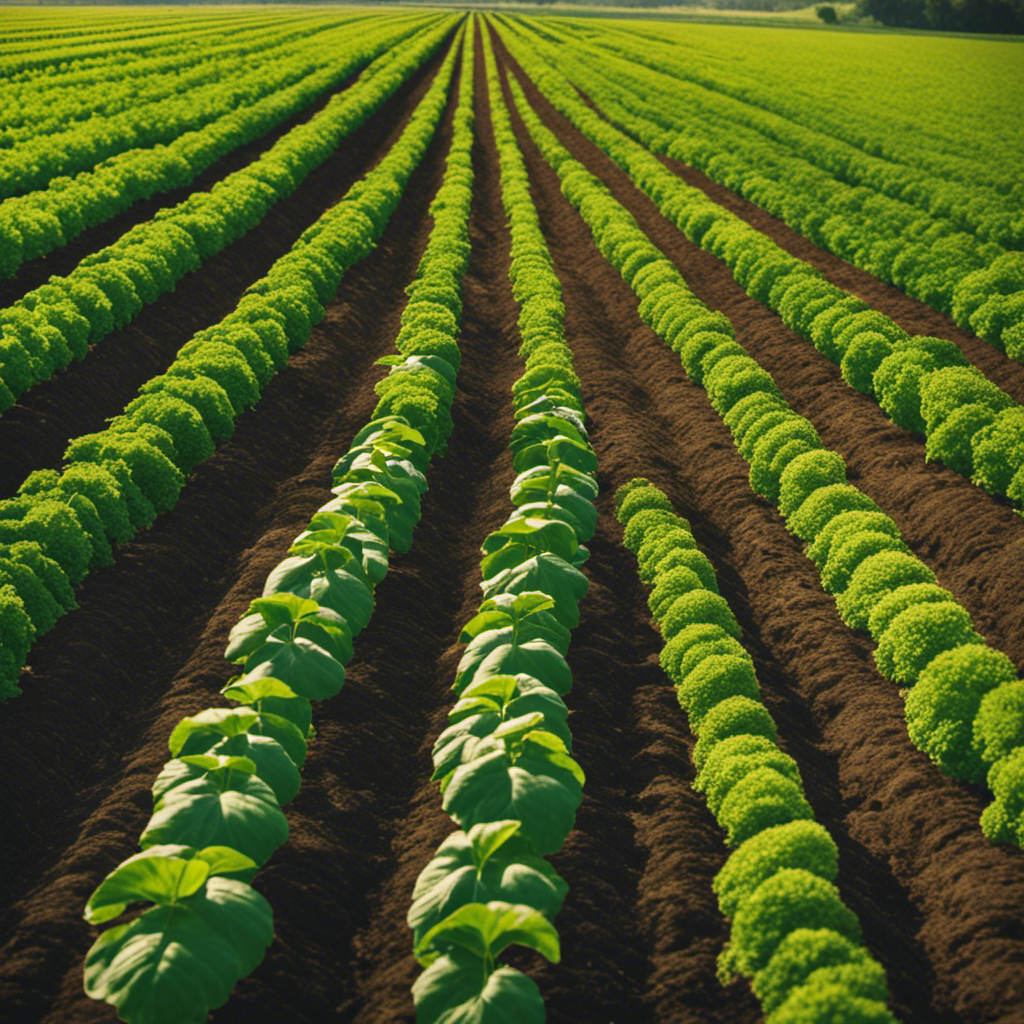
<point>941,908</point>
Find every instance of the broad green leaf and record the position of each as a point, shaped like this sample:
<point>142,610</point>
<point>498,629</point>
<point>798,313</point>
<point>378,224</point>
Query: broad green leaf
<point>534,787</point>
<point>557,450</point>
<point>484,709</point>
<point>549,574</point>
<point>157,875</point>
<point>538,493</point>
<point>172,965</point>
<point>225,861</point>
<point>551,478</point>
<point>514,696</point>
<point>512,611</point>
<point>435,363</point>
<point>572,508</point>
<point>535,658</point>
<point>273,696</point>
<point>286,732</point>
<point>305,666</point>
<point>334,529</point>
<point>392,428</point>
<point>551,632</point>
<point>219,808</point>
<point>543,426</point>
<point>300,615</point>
<point>544,404</point>
<point>454,990</point>
<point>273,765</point>
<point>520,539</point>
<point>216,722</point>
<point>486,929</point>
<point>332,578</point>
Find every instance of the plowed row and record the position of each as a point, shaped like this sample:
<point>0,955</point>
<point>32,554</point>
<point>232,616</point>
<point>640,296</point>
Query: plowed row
<point>942,909</point>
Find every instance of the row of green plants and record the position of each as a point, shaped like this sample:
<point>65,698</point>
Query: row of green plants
<point>977,279</point>
<point>36,161</point>
<point>168,76</point>
<point>58,321</point>
<point>217,814</point>
<point>923,383</point>
<point>807,153</point>
<point>964,702</point>
<point>503,763</point>
<point>790,932</point>
<point>50,62</point>
<point>118,480</point>
<point>39,222</point>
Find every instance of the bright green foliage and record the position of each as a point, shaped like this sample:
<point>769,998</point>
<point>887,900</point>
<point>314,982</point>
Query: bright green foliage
<point>824,504</point>
<point>646,524</point>
<point>948,389</point>
<point>733,759</point>
<point>699,606</point>
<point>850,550</point>
<point>999,723</point>
<point>918,635</point>
<point>803,956</point>
<point>943,705</point>
<point>659,542</point>
<point>997,451</point>
<point>670,585</point>
<point>716,678</point>
<point>16,636</point>
<point>805,473</point>
<point>893,602</point>
<point>849,994</point>
<point>864,355</point>
<point>765,471</point>
<point>1003,820</point>
<point>687,648</point>
<point>952,441</point>
<point>192,441</point>
<point>792,898</point>
<point>874,579</point>
<point>763,798</point>
<point>53,526</point>
<point>844,526</point>
<point>732,717</point>
<point>796,844</point>
<point>637,498</point>
<point>897,383</point>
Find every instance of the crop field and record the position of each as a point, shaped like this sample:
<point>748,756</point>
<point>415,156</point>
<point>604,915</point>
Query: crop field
<point>508,519</point>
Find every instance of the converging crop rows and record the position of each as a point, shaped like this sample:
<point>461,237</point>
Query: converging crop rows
<point>508,519</point>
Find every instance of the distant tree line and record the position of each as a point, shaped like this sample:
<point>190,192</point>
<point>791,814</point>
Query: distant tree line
<point>1001,16</point>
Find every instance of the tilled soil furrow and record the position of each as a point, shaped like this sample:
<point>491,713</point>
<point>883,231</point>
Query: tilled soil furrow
<point>107,685</point>
<point>911,314</point>
<point>34,433</point>
<point>414,653</point>
<point>939,915</point>
<point>974,542</point>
